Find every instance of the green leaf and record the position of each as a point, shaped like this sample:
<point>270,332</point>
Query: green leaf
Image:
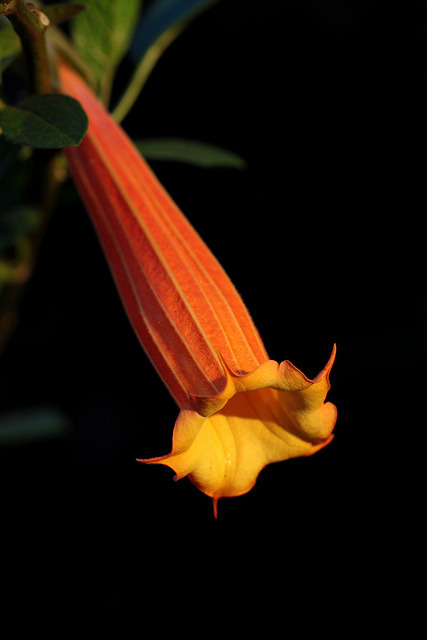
<point>46,121</point>
<point>102,35</point>
<point>10,45</point>
<point>199,154</point>
<point>159,26</point>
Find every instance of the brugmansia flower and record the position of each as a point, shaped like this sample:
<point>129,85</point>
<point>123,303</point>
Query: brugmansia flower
<point>239,410</point>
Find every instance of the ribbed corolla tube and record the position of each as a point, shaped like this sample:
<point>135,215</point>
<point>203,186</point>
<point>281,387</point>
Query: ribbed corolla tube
<point>239,410</point>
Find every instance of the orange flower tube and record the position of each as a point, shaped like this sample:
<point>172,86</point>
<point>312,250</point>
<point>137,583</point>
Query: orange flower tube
<point>239,410</point>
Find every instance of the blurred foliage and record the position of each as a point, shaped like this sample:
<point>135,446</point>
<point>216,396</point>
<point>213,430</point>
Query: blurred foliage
<point>158,27</point>
<point>162,16</point>
<point>19,217</point>
<point>33,424</point>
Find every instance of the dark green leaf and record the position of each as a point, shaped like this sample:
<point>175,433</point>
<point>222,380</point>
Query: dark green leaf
<point>192,152</point>
<point>160,17</point>
<point>47,121</point>
<point>102,35</point>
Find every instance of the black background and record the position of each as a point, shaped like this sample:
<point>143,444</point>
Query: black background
<point>322,236</point>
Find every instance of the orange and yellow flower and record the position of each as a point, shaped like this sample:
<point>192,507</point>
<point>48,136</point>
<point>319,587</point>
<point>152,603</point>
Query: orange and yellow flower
<point>239,410</point>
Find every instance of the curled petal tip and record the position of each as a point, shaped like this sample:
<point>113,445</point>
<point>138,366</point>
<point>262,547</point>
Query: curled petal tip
<point>327,369</point>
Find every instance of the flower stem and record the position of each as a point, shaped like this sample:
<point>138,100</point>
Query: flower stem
<point>30,24</point>
<point>141,74</point>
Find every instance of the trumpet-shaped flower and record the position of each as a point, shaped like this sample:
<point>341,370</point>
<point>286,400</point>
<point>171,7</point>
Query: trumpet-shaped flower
<point>239,410</point>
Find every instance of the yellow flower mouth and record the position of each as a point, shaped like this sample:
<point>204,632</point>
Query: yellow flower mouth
<point>271,414</point>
